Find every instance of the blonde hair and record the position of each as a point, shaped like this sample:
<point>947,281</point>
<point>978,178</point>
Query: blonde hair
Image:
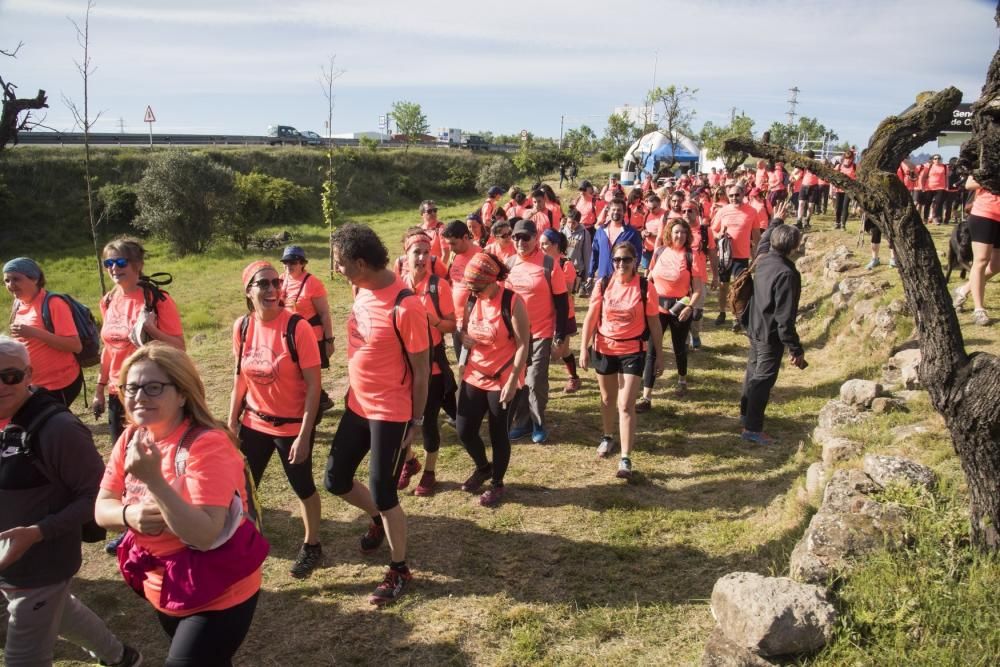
<point>182,372</point>
<point>127,247</point>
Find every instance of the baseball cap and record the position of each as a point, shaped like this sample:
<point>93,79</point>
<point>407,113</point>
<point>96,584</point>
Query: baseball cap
<point>584,185</point>
<point>494,191</point>
<point>293,252</point>
<point>525,227</point>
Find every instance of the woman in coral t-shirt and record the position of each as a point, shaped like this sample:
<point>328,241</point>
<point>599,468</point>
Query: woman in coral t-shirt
<point>53,365</point>
<point>984,227</point>
<point>494,356</point>
<point>175,481</point>
<point>935,184</point>
<point>555,244</point>
<point>620,321</point>
<point>275,399</point>
<point>502,246</point>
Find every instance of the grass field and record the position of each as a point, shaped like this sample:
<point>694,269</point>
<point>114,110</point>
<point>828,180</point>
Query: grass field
<point>575,567</point>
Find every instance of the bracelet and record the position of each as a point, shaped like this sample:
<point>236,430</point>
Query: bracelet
<point>124,520</point>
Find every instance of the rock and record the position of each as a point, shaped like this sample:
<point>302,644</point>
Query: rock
<point>885,324</point>
<point>860,392</point>
<point>837,413</point>
<point>834,266</point>
<point>891,376</point>
<point>901,433</point>
<point>839,301</point>
<point>899,307</point>
<point>772,616</point>
<point>815,479</point>
<point>884,405</point>
<point>863,309</point>
<point>721,652</point>
<point>903,358</point>
<point>848,524</point>
<point>860,287</point>
<point>840,449</point>
<point>885,470</point>
<point>806,263</point>
<point>910,377</point>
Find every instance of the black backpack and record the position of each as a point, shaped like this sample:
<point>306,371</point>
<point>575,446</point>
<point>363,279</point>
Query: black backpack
<point>293,351</point>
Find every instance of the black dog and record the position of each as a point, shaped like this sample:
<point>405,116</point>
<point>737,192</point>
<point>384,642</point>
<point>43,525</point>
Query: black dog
<point>959,250</point>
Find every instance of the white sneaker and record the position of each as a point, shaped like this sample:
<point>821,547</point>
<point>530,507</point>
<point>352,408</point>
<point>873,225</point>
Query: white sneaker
<point>959,297</point>
<point>980,317</point>
<point>606,447</point>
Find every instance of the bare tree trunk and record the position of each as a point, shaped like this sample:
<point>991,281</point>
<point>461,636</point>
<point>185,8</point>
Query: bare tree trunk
<point>327,81</point>
<point>13,106</point>
<point>962,387</point>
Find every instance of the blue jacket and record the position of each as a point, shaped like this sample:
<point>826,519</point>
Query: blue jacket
<point>600,257</point>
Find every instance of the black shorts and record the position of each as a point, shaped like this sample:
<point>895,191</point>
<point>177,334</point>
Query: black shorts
<point>626,364</point>
<point>736,267</point>
<point>356,437</point>
<point>571,327</point>
<point>259,447</point>
<point>809,193</point>
<point>984,230</point>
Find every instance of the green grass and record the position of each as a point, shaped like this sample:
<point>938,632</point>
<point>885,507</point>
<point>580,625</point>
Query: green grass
<point>576,567</point>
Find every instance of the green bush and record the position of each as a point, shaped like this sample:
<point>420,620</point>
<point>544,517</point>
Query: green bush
<point>370,143</point>
<point>498,170</point>
<point>117,207</point>
<point>184,199</point>
<point>261,200</point>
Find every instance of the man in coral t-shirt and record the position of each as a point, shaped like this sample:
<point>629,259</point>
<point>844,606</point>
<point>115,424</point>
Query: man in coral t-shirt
<point>387,338</point>
<point>542,286</point>
<point>739,222</point>
<point>429,223</point>
<point>459,240</point>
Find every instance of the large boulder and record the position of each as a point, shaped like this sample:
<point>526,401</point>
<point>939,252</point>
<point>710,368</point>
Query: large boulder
<point>720,651</point>
<point>849,523</point>
<point>860,287</point>
<point>772,616</point>
<point>838,413</point>
<point>885,470</point>
<point>839,449</point>
<point>860,392</point>
<point>816,476</point>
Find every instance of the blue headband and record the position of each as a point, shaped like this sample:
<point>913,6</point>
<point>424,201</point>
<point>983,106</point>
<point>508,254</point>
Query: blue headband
<point>25,266</point>
<point>552,235</point>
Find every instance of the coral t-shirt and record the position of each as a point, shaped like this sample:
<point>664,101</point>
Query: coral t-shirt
<point>487,212</point>
<point>776,179</point>
<point>120,313</point>
<point>51,368</point>
<point>213,474</point>
<point>375,358</point>
<point>654,225</point>
<point>739,222</point>
<point>763,220</point>
<point>937,177</point>
<point>986,205</point>
<point>527,278</point>
<point>495,346</point>
<point>587,206</point>
<point>445,303</point>
<point>439,248</point>
<point>809,178</point>
<point>501,251</point>
<point>543,220</point>
<point>514,210</point>
<point>622,318</point>
<point>456,274</point>
<point>760,178</point>
<point>298,295</point>
<point>275,384</point>
<point>569,273</point>
<point>555,214</point>
<point>670,274</point>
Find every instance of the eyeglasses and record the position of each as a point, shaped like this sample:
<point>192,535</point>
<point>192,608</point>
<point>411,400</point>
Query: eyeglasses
<point>503,236</point>
<point>734,194</point>
<point>264,283</point>
<point>12,376</point>
<point>120,262</point>
<point>622,260</point>
<point>431,210</point>
<point>151,389</point>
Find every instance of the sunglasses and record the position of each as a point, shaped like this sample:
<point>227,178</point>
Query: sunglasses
<point>503,236</point>
<point>522,237</point>
<point>12,376</point>
<point>431,210</point>
<point>152,389</point>
<point>622,260</point>
<point>120,262</point>
<point>293,260</point>
<point>264,283</point>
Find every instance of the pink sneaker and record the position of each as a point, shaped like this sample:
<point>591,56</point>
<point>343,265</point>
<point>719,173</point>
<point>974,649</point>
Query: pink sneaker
<point>425,487</point>
<point>492,496</point>
<point>410,468</point>
<point>572,386</point>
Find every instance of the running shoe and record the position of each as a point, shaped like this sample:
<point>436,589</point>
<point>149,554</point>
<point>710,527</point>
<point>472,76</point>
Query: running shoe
<point>682,388</point>
<point>539,435</point>
<point>325,402</point>
<point>606,447</point>
<point>624,468</point>
<point>410,468</point>
<point>425,487</point>
<point>695,342</point>
<point>476,479</point>
<point>720,320</point>
<point>875,261</point>
<point>111,546</point>
<point>450,421</point>
<point>374,538</point>
<point>736,326</point>
<point>572,386</point>
<point>518,433</point>
<point>757,437</point>
<point>131,657</point>
<point>492,496</point>
<point>980,317</point>
<point>643,405</point>
<point>308,560</point>
<point>958,297</point>
<point>391,588</point>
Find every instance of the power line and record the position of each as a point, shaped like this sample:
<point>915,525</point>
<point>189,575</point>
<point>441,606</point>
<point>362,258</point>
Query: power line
<point>792,103</point>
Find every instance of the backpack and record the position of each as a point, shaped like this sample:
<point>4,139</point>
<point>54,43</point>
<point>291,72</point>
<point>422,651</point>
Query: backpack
<point>90,531</point>
<point>293,351</point>
<point>151,296</point>
<point>403,293</point>
<point>740,292</point>
<point>725,246</point>
<point>86,328</point>
<point>315,320</point>
<point>643,290</point>
<point>253,510</point>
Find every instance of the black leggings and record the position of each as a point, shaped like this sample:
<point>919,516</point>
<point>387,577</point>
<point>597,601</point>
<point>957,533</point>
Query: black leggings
<point>841,209</point>
<point>431,430</point>
<point>259,447</point>
<point>678,338</point>
<point>355,437</point>
<point>69,393</point>
<point>208,639</point>
<point>933,201</point>
<point>474,404</point>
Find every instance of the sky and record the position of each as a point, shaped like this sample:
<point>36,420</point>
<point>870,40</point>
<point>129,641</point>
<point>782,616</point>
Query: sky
<point>237,66</point>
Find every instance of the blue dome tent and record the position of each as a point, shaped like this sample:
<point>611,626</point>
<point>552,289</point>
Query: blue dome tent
<point>650,152</point>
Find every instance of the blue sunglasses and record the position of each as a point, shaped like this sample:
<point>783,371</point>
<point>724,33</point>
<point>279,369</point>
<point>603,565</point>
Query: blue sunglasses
<point>120,262</point>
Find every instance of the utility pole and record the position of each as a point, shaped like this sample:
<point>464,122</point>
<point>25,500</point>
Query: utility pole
<point>121,125</point>
<point>562,123</point>
<point>732,115</point>
<point>792,103</point>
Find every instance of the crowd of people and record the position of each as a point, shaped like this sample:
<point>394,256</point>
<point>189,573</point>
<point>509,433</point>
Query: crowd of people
<point>498,289</point>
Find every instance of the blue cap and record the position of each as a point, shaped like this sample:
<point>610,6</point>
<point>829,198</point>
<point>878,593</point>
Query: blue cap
<point>494,191</point>
<point>293,252</point>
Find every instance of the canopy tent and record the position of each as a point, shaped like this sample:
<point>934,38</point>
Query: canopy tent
<point>647,154</point>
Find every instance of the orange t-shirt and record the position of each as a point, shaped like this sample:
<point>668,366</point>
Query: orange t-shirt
<point>760,178</point>
<point>775,180</point>
<point>762,217</point>
<point>374,356</point>
<point>555,214</point>
<point>51,368</point>
<point>569,273</point>
<point>986,205</point>
<point>120,313</point>
<point>213,474</point>
<point>739,222</point>
<point>621,317</point>
<point>937,177</point>
<point>495,345</point>
<point>809,178</point>
<point>541,220</point>
<point>487,211</point>
<point>439,247</point>
<point>275,385</point>
<point>501,251</point>
<point>514,210</point>
<point>654,225</point>
<point>670,274</point>
<point>445,303</point>
<point>527,278</point>
<point>456,274</point>
<point>588,210</point>
<point>298,296</point>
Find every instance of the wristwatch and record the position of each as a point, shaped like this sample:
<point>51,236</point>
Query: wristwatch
<point>418,422</point>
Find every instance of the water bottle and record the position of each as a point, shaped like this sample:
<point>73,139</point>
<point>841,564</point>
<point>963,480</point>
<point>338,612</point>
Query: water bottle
<point>679,306</point>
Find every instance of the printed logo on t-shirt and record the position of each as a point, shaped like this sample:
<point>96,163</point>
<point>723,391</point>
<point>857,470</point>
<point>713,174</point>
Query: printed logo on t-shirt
<point>115,334</point>
<point>619,311</point>
<point>260,365</point>
<point>521,281</point>
<point>359,328</point>
<point>483,332</point>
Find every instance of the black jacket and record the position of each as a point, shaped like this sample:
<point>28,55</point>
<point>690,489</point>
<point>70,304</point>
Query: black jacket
<point>774,305</point>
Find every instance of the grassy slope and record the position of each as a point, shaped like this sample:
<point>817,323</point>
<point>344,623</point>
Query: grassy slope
<point>575,567</point>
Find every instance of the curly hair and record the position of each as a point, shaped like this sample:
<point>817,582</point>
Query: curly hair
<point>353,242</point>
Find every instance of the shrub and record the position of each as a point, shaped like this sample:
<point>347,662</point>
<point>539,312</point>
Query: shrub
<point>498,170</point>
<point>368,143</point>
<point>461,178</point>
<point>261,200</point>
<point>183,199</point>
<point>117,207</point>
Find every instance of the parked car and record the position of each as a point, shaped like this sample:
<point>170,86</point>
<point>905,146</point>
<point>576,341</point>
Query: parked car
<point>284,134</point>
<point>311,138</point>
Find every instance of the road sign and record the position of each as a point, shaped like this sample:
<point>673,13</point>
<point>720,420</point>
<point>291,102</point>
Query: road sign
<point>524,135</point>
<point>961,119</point>
<point>149,118</point>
